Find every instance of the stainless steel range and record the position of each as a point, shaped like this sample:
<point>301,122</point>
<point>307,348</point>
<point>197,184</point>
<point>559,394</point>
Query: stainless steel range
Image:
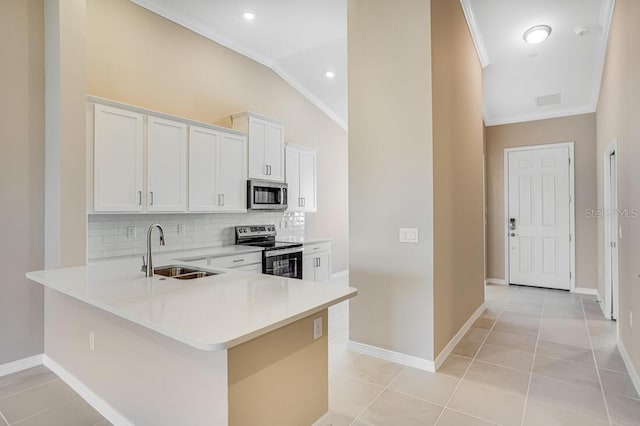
<point>278,258</point>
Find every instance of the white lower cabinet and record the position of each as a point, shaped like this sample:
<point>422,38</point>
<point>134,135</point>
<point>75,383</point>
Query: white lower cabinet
<point>316,263</point>
<point>245,262</point>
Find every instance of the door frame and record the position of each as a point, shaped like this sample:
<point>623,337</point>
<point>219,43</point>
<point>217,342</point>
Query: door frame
<point>572,207</point>
<point>608,238</point>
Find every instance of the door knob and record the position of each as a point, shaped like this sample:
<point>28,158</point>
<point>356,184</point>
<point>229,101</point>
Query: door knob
<point>513,234</point>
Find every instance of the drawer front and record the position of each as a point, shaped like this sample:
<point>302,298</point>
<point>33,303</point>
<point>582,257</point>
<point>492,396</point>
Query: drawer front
<point>236,260</point>
<point>311,249</point>
<point>256,267</point>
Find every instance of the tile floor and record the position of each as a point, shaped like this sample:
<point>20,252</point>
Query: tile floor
<point>37,397</point>
<point>535,357</point>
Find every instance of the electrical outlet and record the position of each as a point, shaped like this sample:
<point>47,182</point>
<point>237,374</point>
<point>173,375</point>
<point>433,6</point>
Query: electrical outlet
<point>630,319</point>
<point>317,328</point>
<point>180,228</point>
<point>409,235</point>
<point>92,341</point>
<point>131,232</point>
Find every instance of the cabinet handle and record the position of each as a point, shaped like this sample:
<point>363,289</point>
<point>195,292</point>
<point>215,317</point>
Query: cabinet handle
<point>222,195</point>
<point>151,197</point>
<point>139,198</point>
<point>299,202</point>
<point>238,260</point>
<point>266,169</point>
<point>304,202</point>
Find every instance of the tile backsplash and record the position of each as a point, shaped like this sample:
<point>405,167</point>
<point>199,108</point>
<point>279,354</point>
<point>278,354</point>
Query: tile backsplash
<point>112,235</point>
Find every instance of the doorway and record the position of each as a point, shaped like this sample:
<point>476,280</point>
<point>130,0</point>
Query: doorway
<point>539,213</point>
<point>611,230</point>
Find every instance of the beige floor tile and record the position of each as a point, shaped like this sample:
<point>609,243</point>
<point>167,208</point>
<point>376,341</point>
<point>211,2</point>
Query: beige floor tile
<point>568,396</point>
<point>361,423</point>
<point>599,342</point>
<point>454,366</point>
<point>519,342</point>
<point>349,396</point>
<point>610,359</point>
<point>501,378</point>
<point>74,413</point>
<point>2,422</point>
<point>566,331</point>
<point>455,418</point>
<point>466,348</point>
<point>615,383</point>
<point>32,401</point>
<point>334,419</point>
<point>541,414</point>
<point>518,323</point>
<point>485,322</point>
<point>488,403</point>
<point>565,352</point>
<point>505,357</point>
<point>524,308</point>
<point>26,379</point>
<point>568,371</point>
<point>433,387</point>
<point>393,409</point>
<point>624,411</point>
<point>373,370</point>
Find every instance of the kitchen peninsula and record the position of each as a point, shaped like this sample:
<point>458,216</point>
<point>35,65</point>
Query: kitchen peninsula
<point>233,348</point>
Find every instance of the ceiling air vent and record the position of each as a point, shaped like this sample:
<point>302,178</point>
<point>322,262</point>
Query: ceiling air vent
<point>547,100</point>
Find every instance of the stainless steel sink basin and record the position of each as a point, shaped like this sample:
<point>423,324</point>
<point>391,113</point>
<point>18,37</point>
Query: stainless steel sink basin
<point>182,272</point>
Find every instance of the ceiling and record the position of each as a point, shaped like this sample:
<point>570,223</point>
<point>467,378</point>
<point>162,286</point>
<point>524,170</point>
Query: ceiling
<point>303,39</point>
<point>516,73</point>
<point>299,40</point>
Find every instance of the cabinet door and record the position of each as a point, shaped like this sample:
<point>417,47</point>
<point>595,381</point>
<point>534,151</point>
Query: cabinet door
<point>203,157</point>
<point>257,140</point>
<point>274,152</point>
<point>232,173</point>
<point>118,159</point>
<point>293,180</point>
<point>166,165</point>
<point>309,268</point>
<point>323,267</point>
<point>308,180</point>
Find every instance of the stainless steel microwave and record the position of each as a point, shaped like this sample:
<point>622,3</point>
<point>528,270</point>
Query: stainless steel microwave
<point>266,195</point>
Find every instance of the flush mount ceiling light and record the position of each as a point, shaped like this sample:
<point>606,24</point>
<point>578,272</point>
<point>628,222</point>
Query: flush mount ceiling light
<point>330,74</point>
<point>249,16</point>
<point>537,34</point>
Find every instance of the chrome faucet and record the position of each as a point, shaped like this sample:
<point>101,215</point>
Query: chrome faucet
<point>148,268</point>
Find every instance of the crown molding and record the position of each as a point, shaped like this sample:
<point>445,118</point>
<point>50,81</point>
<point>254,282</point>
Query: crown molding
<point>606,19</point>
<point>243,50</point>
<point>521,118</point>
<point>476,35</point>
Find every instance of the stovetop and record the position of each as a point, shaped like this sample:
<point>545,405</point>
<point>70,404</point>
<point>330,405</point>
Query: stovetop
<point>273,245</point>
<point>261,236</point>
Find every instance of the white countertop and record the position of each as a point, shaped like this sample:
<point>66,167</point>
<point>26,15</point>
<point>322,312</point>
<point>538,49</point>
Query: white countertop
<point>212,313</point>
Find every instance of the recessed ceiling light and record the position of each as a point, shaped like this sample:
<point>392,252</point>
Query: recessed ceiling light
<point>537,34</point>
<point>581,31</point>
<point>330,74</point>
<point>249,16</point>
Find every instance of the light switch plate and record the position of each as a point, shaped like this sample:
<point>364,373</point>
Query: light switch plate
<point>409,235</point>
<point>317,328</point>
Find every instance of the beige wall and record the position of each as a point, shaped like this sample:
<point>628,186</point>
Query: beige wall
<point>617,118</point>
<point>137,57</point>
<point>458,172</point>
<point>580,129</point>
<point>21,176</point>
<point>390,174</point>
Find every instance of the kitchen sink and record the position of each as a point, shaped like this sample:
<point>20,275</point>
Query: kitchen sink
<point>182,272</point>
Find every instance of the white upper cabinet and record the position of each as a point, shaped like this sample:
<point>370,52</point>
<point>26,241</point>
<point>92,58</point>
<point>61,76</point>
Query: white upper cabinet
<point>203,180</point>
<point>217,171</point>
<point>301,178</point>
<point>233,172</point>
<point>118,160</point>
<point>166,165</point>
<point>266,145</point>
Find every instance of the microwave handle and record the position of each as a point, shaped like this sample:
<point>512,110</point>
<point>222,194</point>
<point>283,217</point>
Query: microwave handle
<point>284,196</point>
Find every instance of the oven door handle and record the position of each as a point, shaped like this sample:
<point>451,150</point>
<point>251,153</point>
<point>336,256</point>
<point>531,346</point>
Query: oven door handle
<point>271,253</point>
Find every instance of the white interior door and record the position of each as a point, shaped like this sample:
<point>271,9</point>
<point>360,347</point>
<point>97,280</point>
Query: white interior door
<point>612,219</point>
<point>539,224</point>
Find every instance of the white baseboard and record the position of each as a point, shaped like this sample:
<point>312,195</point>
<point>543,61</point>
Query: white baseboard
<point>444,354</point>
<point>99,404</point>
<point>497,281</point>
<point>340,274</point>
<point>584,290</point>
<point>631,369</point>
<point>387,355</point>
<point>21,364</point>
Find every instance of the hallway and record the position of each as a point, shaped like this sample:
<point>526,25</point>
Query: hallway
<point>536,357</point>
